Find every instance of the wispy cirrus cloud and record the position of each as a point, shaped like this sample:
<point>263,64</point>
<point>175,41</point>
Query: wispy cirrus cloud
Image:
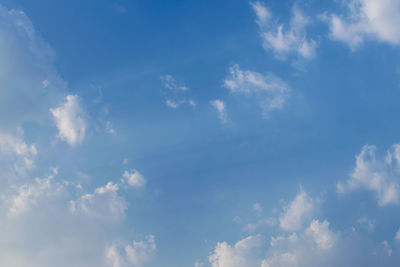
<point>269,90</point>
<point>285,39</point>
<point>177,93</point>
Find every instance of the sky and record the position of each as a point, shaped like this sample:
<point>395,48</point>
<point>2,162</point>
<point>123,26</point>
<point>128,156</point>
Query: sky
<point>199,133</point>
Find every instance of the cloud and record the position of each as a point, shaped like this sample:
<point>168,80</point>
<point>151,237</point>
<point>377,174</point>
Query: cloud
<point>30,83</point>
<point>252,227</point>
<point>70,120</point>
<point>176,104</point>
<point>242,254</point>
<point>134,178</point>
<point>103,203</point>
<point>170,83</point>
<point>282,39</point>
<point>219,105</point>
<point>36,224</point>
<point>257,209</point>
<point>109,128</point>
<point>77,231</point>
<point>270,91</point>
<point>297,212</point>
<point>176,94</point>
<point>135,255</point>
<point>15,151</point>
<point>366,19</point>
<point>308,248</point>
<point>397,236</point>
<point>29,194</point>
<point>312,243</point>
<point>367,224</point>
<point>379,176</point>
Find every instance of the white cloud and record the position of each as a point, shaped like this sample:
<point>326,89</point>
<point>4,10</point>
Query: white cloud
<point>297,249</point>
<point>219,105</point>
<point>176,94</point>
<point>366,19</point>
<point>242,254</point>
<point>170,83</point>
<point>379,176</point>
<point>70,120</point>
<point>109,128</point>
<point>104,203</point>
<point>172,104</point>
<point>252,227</point>
<point>387,248</point>
<point>135,255</point>
<point>37,228</point>
<point>14,150</point>
<point>297,212</point>
<point>367,224</point>
<point>311,247</point>
<point>134,178</point>
<point>285,39</point>
<point>78,233</point>
<point>257,208</point>
<point>397,236</point>
<point>29,194</point>
<point>176,104</point>
<point>271,92</point>
<point>320,234</point>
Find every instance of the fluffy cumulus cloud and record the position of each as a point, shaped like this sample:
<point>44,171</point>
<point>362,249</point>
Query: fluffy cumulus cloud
<point>242,254</point>
<point>219,105</point>
<point>45,216</point>
<point>380,176</point>
<point>307,248</point>
<point>136,254</point>
<point>283,39</point>
<point>70,120</point>
<point>30,194</point>
<point>134,178</point>
<point>311,244</point>
<point>297,212</point>
<point>77,230</point>
<point>366,19</point>
<point>270,91</point>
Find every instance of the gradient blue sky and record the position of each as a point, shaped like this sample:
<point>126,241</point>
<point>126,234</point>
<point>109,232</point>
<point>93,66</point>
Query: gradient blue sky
<point>199,133</point>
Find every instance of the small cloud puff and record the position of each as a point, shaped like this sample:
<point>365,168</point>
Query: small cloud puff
<point>381,176</point>
<point>134,178</point>
<point>285,39</point>
<point>70,120</point>
<point>219,105</point>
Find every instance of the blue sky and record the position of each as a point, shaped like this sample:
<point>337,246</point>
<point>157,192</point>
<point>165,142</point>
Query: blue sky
<point>199,133</point>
